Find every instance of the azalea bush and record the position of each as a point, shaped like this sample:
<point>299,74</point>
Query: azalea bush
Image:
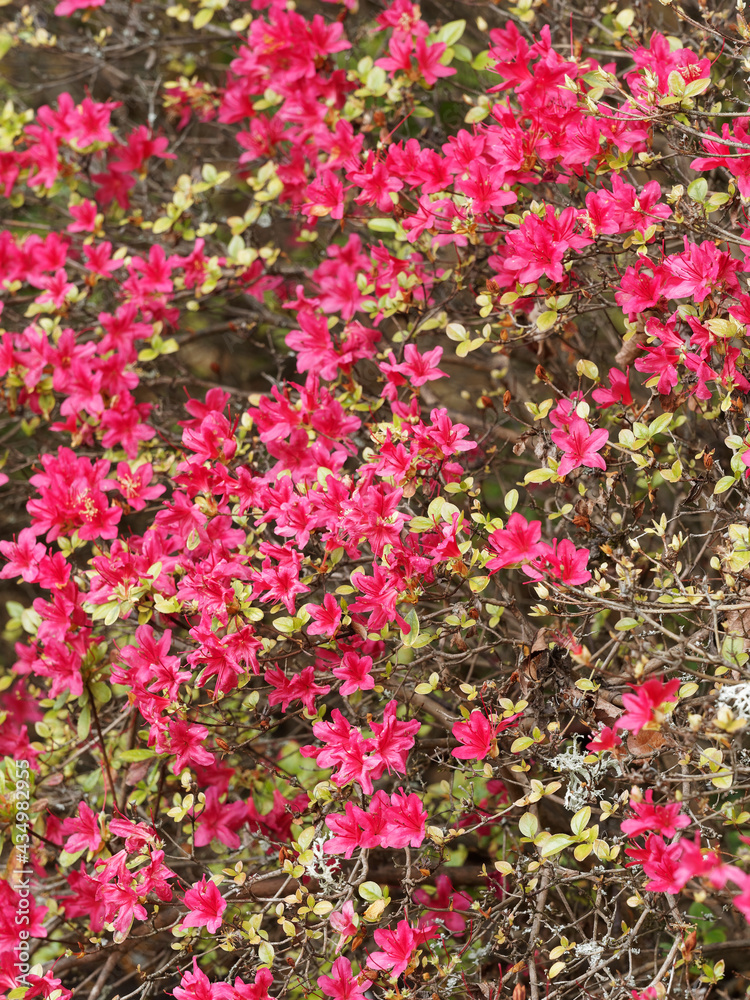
<point>377,526</point>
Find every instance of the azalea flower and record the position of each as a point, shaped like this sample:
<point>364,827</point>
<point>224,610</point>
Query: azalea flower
<point>355,672</point>
<point>345,921</point>
<point>605,739</point>
<point>580,446</point>
<point>205,905</point>
<point>341,984</point>
<point>619,391</point>
<point>517,542</point>
<point>477,735</point>
<point>447,904</point>
<point>398,946</point>
<point>648,704</point>
<point>663,819</point>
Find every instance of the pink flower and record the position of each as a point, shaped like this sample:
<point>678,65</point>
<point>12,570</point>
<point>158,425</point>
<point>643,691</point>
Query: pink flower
<point>206,906</point>
<point>359,759</point>
<point>325,196</point>
<point>562,561</point>
<point>477,735</point>
<point>539,245</point>
<point>345,921</point>
<point>219,820</point>
<point>341,984</point>
<point>23,556</point>
<point>133,484</point>
<point>196,985</point>
<point>257,990</point>
<point>67,7</point>
<point>428,61</point>
<point>666,819</point>
<point>326,618</point>
<point>580,446</point>
<point>378,597</point>
<point>355,672</point>
<point>299,686</point>
<point>347,828</point>
<point>400,47</point>
<point>85,217</point>
<point>638,290</point>
<point>646,707</point>
<point>85,831</point>
<point>517,542</point>
<point>605,739</point>
<point>398,947</point>
<point>393,739</point>
<point>416,369</point>
<point>185,740</point>
<point>404,821</point>
<point>661,862</point>
<point>619,393</point>
<point>447,904</point>
<point>46,986</point>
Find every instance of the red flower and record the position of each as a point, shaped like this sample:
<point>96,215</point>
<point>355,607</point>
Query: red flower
<point>206,906</point>
<point>477,735</point>
<point>341,984</point>
<point>580,446</point>
<point>666,819</point>
<point>648,705</point>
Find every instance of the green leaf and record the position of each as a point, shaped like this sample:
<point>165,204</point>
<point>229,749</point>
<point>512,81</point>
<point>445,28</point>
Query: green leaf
<point>451,32</point>
<point>528,824</point>
<point>235,247</point>
<point>476,114</point>
<point>581,820</point>
<point>202,18</point>
<point>84,723</point>
<point>625,624</point>
<point>698,190</point>
<point>659,425</point>
<point>370,891</point>
<point>410,617</point>
<point>724,484</point>
<point>382,225</point>
<point>162,224</point>
<point>521,744</point>
<point>546,321</point>
<point>538,476</point>
<point>101,692</point>
<point>457,332</point>
<point>136,755</point>
<point>554,844</point>
<point>482,61</point>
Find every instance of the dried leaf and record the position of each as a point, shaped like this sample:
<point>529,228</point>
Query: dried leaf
<point>646,742</point>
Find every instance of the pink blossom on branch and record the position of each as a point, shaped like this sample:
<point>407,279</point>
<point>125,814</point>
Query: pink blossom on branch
<point>398,947</point>
<point>205,906</point>
<point>605,739</point>
<point>477,735</point>
<point>580,446</point>
<point>647,706</point>
<point>649,818</point>
<point>341,984</point>
<point>518,542</point>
